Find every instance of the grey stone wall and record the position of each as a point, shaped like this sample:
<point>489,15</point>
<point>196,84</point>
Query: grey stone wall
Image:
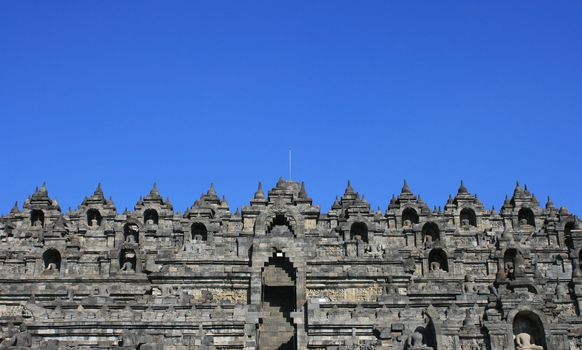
<point>281,274</point>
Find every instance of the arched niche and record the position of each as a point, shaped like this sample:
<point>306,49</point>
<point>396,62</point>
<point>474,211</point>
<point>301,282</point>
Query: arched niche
<point>431,232</point>
<point>131,233</point>
<point>127,260</point>
<point>528,322</point>
<point>559,262</point>
<point>409,217</point>
<point>428,337</point>
<point>280,224</point>
<point>509,261</point>
<point>51,260</point>
<point>525,216</point>
<point>428,334</point>
<point>150,217</point>
<point>437,260</point>
<point>359,231</point>
<point>468,217</point>
<point>199,232</point>
<point>94,218</point>
<point>37,218</point>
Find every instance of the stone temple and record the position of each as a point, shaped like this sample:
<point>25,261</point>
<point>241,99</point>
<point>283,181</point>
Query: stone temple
<point>281,274</point>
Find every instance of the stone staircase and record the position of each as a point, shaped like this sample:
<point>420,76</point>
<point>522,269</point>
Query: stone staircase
<point>274,275</point>
<point>277,330</point>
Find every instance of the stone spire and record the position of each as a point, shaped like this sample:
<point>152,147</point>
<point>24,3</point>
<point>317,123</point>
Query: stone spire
<point>211,191</point>
<point>96,198</point>
<point>260,194</point>
<point>549,203</point>
<point>517,190</point>
<point>15,209</point>
<point>40,197</point>
<point>280,182</point>
<point>350,195</point>
<point>302,192</point>
<point>40,194</point>
<point>392,203</point>
<point>224,202</point>
<point>154,195</point>
<point>98,192</point>
<point>462,189</point>
<point>405,188</point>
<point>336,204</point>
<point>349,190</point>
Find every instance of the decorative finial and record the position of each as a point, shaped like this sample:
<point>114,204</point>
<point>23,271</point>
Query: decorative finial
<point>405,188</point>
<point>336,204</point>
<point>549,203</point>
<point>349,189</point>
<point>517,188</point>
<point>259,194</point>
<point>211,190</point>
<point>302,192</point>
<point>462,188</point>
<point>392,200</point>
<point>15,209</point>
<point>281,181</point>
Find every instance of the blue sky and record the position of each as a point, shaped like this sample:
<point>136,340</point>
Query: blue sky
<point>187,93</point>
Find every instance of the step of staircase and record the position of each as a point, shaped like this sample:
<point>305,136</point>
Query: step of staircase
<point>276,330</point>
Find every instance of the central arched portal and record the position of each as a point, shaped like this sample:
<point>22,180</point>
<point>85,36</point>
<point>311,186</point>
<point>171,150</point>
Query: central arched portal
<point>278,299</point>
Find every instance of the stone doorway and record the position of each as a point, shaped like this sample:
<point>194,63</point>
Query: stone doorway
<point>278,300</point>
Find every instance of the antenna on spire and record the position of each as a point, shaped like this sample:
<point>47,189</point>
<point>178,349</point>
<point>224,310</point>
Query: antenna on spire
<point>289,163</point>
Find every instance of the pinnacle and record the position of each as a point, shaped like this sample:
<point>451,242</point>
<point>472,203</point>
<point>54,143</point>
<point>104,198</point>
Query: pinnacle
<point>349,189</point>
<point>224,202</point>
<point>405,188</point>
<point>211,190</point>
<point>15,208</point>
<point>302,192</point>
<point>336,204</point>
<point>462,188</point>
<point>280,182</point>
<point>517,188</point>
<point>549,203</point>
<point>260,194</point>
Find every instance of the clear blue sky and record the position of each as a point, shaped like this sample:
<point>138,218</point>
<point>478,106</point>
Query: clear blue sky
<point>186,93</point>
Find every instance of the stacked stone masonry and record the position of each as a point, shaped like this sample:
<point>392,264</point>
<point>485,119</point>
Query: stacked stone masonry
<point>280,274</point>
